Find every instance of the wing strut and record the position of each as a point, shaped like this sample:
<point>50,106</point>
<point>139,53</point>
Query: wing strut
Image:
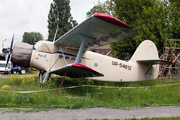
<point>84,39</point>
<point>63,78</point>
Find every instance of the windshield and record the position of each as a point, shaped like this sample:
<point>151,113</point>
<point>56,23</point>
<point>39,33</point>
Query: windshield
<point>2,65</point>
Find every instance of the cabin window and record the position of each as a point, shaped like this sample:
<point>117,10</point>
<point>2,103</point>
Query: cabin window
<point>67,57</point>
<point>73,59</point>
<point>60,56</point>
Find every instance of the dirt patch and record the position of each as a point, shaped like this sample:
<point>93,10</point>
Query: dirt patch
<point>5,76</point>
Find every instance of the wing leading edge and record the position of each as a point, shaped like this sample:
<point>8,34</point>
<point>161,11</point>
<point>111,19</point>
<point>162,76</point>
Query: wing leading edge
<point>76,71</point>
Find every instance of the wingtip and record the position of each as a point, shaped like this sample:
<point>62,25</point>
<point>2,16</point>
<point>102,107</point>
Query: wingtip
<point>111,19</point>
<point>166,61</point>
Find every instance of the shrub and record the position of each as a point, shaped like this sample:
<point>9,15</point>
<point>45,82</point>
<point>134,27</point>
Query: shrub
<point>6,87</point>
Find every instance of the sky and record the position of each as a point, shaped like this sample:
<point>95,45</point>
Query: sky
<point>19,16</point>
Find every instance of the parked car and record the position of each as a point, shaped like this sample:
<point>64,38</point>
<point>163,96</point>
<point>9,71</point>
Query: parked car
<point>15,70</point>
<point>3,65</point>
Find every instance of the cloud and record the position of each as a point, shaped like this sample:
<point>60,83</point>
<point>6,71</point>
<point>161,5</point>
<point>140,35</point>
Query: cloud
<point>81,7</point>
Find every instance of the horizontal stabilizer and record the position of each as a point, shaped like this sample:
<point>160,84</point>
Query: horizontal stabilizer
<point>155,61</point>
<point>76,71</point>
<point>152,62</point>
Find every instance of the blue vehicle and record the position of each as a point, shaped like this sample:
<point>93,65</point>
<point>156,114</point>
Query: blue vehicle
<point>15,70</point>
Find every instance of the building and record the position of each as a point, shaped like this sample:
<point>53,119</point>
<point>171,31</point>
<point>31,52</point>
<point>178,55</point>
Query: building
<point>105,50</point>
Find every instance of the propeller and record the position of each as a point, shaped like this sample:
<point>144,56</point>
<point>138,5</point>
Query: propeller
<point>10,51</point>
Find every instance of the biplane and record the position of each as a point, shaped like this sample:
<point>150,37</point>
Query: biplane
<point>70,54</point>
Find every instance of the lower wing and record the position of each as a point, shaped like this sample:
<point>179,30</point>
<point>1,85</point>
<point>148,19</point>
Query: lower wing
<point>76,71</point>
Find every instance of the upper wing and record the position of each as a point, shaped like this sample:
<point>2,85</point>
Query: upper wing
<point>102,29</point>
<point>76,71</point>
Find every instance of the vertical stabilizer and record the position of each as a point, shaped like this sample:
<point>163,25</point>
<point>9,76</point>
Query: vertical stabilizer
<point>145,51</point>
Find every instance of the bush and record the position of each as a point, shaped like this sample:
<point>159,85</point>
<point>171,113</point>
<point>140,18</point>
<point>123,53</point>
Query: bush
<point>6,87</point>
<point>24,80</point>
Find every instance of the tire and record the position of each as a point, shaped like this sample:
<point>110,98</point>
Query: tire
<point>114,35</point>
<point>23,72</point>
<point>14,72</point>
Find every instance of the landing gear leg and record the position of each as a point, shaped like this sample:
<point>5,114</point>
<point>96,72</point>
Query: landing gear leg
<point>46,78</point>
<point>41,73</point>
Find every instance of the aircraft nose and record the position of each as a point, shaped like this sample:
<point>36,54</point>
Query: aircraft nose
<point>21,54</point>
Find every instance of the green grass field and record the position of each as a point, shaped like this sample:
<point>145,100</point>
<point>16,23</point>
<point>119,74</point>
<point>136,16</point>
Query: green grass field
<point>45,97</point>
<point>122,95</point>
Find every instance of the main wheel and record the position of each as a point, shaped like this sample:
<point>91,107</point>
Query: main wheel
<point>14,72</point>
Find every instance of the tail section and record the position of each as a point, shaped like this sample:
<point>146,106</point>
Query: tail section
<point>147,50</point>
<point>146,59</point>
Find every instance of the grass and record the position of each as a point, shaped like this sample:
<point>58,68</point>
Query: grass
<point>87,97</point>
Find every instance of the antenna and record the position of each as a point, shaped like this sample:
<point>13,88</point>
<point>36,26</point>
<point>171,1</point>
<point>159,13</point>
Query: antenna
<point>55,35</point>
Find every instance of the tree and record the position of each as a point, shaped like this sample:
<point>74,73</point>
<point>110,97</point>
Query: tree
<point>107,7</point>
<point>174,16</point>
<point>149,17</point>
<point>32,37</point>
<point>156,20</point>
<point>60,18</point>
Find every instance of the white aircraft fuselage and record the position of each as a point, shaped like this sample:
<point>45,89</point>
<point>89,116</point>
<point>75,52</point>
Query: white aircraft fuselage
<point>47,57</point>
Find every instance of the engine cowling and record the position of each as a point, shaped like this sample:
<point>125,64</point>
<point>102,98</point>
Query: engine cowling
<point>21,54</point>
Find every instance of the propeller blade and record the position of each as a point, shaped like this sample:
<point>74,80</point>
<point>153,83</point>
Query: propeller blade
<point>7,61</point>
<point>10,50</point>
<point>12,43</point>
